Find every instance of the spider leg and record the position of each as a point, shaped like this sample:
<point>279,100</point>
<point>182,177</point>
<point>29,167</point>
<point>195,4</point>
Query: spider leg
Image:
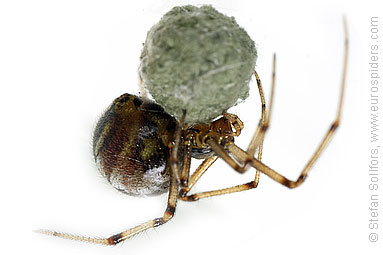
<point>252,146</point>
<point>169,212</point>
<point>257,139</point>
<point>202,168</point>
<point>173,159</point>
<point>241,155</point>
<point>220,151</point>
<point>199,172</point>
<point>233,189</point>
<point>184,180</point>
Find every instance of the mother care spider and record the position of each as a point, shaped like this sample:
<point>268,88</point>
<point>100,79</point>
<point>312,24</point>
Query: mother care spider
<point>142,150</point>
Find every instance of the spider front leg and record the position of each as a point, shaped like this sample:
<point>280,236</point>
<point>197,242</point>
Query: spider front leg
<point>169,213</point>
<point>241,155</point>
<point>115,239</point>
<point>184,179</point>
<point>202,168</point>
<point>173,148</point>
<point>257,139</point>
<point>220,151</point>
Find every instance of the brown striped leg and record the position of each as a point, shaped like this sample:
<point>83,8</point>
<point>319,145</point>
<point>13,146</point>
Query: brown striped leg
<point>233,189</point>
<point>196,175</point>
<point>169,212</point>
<point>252,145</point>
<point>173,159</point>
<point>186,167</point>
<point>251,148</point>
<point>241,155</point>
<point>257,139</point>
<point>220,151</point>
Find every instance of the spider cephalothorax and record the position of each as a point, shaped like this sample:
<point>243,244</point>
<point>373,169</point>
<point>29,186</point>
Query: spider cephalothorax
<point>222,130</point>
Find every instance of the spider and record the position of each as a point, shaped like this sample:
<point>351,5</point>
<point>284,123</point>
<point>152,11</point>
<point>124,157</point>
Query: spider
<point>142,150</point>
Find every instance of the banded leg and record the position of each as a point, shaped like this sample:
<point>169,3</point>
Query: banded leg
<point>115,239</point>
<point>257,139</point>
<point>241,155</point>
<point>173,159</point>
<point>252,146</point>
<point>184,180</point>
<point>220,151</point>
<point>253,142</point>
<point>196,175</point>
<point>218,192</point>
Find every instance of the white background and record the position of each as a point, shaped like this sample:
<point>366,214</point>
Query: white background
<point>63,62</point>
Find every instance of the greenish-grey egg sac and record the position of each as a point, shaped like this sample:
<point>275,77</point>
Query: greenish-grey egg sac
<point>197,59</point>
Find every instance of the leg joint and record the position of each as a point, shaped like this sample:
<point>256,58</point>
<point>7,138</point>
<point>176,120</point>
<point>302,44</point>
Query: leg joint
<point>334,126</point>
<point>115,239</point>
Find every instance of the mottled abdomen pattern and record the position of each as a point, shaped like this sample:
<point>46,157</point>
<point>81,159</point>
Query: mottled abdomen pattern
<point>130,146</point>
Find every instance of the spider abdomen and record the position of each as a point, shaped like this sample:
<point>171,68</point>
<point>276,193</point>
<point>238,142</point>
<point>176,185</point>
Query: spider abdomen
<point>130,146</point>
